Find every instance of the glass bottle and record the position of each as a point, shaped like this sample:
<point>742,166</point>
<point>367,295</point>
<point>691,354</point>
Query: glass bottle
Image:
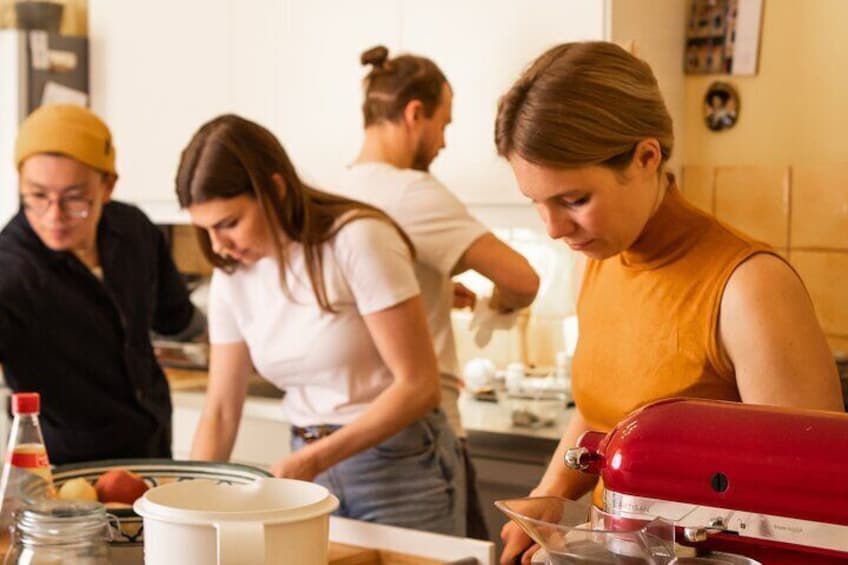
<point>60,532</point>
<point>26,471</point>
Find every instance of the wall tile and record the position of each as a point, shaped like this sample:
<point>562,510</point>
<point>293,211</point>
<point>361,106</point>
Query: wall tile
<point>826,275</point>
<point>504,348</point>
<point>754,199</point>
<point>697,185</point>
<point>820,206</point>
<point>544,340</point>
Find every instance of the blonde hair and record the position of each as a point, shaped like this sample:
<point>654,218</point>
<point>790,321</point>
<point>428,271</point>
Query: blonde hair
<point>583,104</point>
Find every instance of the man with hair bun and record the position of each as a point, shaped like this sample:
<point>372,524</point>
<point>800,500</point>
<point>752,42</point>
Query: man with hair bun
<point>406,109</point>
<point>83,282</point>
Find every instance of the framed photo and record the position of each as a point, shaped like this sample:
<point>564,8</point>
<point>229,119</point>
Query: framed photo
<point>721,106</point>
<point>723,36</point>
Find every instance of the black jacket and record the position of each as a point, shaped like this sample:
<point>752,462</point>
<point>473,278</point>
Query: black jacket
<point>85,344</point>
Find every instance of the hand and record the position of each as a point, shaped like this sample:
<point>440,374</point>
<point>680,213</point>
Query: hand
<point>496,303</point>
<point>463,297</point>
<point>299,465</point>
<point>516,544</point>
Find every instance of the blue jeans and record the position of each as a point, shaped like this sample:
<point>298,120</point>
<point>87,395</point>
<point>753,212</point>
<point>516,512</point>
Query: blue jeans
<point>415,479</point>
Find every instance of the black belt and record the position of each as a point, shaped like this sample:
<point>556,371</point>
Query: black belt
<point>313,433</point>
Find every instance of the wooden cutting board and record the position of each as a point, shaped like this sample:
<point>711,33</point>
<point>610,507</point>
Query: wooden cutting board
<point>339,555</point>
<point>351,555</point>
<point>183,379</point>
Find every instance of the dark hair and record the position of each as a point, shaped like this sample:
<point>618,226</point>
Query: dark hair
<point>231,156</point>
<point>583,104</point>
<point>393,83</point>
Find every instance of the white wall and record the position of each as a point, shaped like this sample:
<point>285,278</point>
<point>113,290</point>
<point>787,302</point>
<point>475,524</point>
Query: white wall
<point>12,111</point>
<point>658,28</point>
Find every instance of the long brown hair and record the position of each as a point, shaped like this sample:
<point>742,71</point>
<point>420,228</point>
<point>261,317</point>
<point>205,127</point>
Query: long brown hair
<point>393,83</point>
<point>583,104</point>
<point>231,156</point>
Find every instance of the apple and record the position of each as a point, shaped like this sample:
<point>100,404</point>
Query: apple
<point>77,489</point>
<point>119,485</point>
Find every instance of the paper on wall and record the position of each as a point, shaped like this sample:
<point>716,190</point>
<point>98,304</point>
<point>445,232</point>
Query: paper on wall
<point>55,93</point>
<point>38,50</point>
<point>62,61</point>
<point>746,44</point>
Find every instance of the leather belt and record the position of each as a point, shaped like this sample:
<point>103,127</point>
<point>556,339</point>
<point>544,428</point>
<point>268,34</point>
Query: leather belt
<point>313,433</point>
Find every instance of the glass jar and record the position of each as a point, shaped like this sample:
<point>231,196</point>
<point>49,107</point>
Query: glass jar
<point>60,532</point>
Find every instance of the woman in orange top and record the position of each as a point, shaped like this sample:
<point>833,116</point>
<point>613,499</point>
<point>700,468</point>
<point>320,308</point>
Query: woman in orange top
<point>673,303</point>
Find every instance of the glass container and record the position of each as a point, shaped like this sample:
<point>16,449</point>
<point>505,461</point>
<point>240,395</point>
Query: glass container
<point>60,532</point>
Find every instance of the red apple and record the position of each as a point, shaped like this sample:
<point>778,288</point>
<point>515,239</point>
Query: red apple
<point>119,485</point>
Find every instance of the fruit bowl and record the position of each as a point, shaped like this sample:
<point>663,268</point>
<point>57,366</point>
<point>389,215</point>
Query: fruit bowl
<point>127,530</point>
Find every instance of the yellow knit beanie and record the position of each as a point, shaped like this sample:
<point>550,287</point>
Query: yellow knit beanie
<point>67,129</point>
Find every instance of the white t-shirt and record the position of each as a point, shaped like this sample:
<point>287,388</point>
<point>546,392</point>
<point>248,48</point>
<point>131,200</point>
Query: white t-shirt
<point>326,362</point>
<point>441,229</point>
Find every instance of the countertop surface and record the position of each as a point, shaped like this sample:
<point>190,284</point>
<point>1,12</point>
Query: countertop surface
<point>478,417</point>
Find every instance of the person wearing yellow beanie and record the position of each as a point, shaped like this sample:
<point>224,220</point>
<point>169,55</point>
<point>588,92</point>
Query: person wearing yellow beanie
<point>65,151</point>
<point>67,129</point>
<point>84,281</point>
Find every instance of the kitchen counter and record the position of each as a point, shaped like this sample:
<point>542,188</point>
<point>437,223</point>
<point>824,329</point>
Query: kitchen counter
<point>485,422</point>
<point>509,460</point>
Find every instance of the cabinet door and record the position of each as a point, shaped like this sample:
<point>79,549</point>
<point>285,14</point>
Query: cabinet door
<point>184,421</point>
<point>482,46</point>
<point>319,77</point>
<point>158,70</point>
<point>263,436</point>
<point>261,441</point>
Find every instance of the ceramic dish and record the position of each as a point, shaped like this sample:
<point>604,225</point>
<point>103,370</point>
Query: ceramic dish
<point>128,528</point>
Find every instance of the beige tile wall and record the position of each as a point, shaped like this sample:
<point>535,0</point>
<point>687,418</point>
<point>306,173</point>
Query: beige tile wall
<point>802,211</point>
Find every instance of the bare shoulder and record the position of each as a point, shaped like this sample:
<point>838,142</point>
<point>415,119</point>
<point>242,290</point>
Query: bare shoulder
<point>764,303</point>
<point>769,331</point>
<point>761,279</point>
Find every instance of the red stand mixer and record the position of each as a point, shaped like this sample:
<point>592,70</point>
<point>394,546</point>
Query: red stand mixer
<point>767,483</point>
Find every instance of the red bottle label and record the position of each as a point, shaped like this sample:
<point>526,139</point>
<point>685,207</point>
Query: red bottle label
<point>29,460</point>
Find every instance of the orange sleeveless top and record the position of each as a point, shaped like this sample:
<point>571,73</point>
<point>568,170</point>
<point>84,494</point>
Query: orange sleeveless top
<point>648,317</point>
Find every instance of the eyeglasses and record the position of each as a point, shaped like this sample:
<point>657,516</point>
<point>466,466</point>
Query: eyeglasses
<point>77,207</point>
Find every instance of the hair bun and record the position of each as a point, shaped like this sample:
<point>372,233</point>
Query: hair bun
<point>376,56</point>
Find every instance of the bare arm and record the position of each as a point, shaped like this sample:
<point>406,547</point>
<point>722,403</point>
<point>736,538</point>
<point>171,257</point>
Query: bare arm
<point>403,340</point>
<point>770,333</point>
<point>558,480</point>
<point>516,282</point>
<point>229,370</point>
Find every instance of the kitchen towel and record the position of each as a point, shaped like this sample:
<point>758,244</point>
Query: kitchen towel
<point>486,320</point>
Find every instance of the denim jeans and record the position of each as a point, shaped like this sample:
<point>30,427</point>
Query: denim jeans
<point>415,479</point>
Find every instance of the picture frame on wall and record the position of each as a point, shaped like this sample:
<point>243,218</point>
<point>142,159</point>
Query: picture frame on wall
<point>723,36</point>
<point>721,106</point>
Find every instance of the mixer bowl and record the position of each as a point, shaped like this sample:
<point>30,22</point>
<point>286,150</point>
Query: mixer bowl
<point>571,532</point>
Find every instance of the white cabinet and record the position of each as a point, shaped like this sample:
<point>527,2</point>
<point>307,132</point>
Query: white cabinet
<point>160,69</point>
<point>263,437</point>
<point>482,46</point>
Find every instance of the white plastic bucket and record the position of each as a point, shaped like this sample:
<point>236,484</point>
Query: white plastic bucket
<point>269,521</point>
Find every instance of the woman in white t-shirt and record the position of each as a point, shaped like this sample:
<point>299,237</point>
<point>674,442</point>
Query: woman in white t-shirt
<point>318,293</point>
